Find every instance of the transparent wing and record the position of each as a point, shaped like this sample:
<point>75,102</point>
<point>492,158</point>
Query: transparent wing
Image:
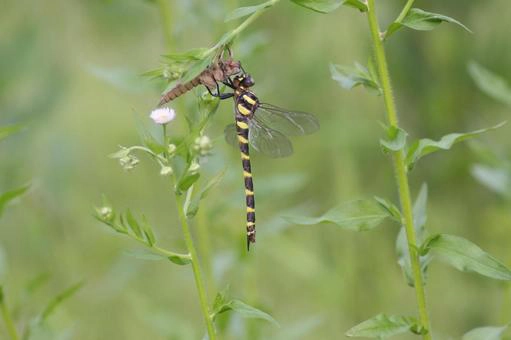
<point>291,123</point>
<point>230,135</point>
<point>268,141</point>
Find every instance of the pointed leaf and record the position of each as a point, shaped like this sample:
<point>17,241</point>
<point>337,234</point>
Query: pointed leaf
<point>358,215</point>
<point>421,20</point>
<point>382,326</point>
<point>194,205</point>
<point>246,311</point>
<point>490,83</point>
<point>321,6</point>
<point>358,4</point>
<point>148,232</point>
<point>187,181</point>
<point>180,259</point>
<point>59,299</point>
<point>349,77</point>
<point>245,11</point>
<point>133,224</point>
<point>485,333</point>
<point>423,147</point>
<point>465,256</point>
<point>10,195</point>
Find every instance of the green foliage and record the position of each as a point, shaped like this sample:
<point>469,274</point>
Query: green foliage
<point>396,139</point>
<point>465,256</point>
<point>419,223</point>
<point>391,209</point>
<point>9,196</point>
<point>359,215</point>
<point>349,77</point>
<point>423,147</point>
<point>485,333</point>
<point>321,6</point>
<point>223,304</point>
<point>490,83</point>
<point>420,20</point>
<point>193,207</point>
<point>6,131</point>
<point>244,11</point>
<point>383,326</point>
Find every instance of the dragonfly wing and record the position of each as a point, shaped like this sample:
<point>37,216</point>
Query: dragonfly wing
<point>268,141</point>
<point>291,123</point>
<point>230,135</point>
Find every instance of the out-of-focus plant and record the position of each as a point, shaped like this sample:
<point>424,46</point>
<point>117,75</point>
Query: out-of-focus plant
<point>416,248</point>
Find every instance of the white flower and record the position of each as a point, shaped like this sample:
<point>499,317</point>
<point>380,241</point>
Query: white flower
<point>166,170</point>
<point>163,115</point>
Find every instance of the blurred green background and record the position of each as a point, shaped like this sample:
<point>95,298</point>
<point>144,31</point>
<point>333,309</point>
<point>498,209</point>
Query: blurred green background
<point>69,71</point>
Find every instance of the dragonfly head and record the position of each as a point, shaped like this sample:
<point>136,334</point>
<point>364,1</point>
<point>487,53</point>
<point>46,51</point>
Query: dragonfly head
<point>244,80</point>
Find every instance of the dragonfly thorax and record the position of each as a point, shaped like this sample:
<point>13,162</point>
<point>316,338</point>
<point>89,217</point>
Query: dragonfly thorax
<point>243,81</point>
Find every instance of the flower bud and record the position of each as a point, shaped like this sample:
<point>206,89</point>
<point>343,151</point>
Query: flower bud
<point>194,168</point>
<point>171,149</point>
<point>128,162</point>
<point>166,170</point>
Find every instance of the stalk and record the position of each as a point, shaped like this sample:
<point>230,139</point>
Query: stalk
<point>195,266</point>
<point>400,169</point>
<point>405,11</point>
<point>9,324</point>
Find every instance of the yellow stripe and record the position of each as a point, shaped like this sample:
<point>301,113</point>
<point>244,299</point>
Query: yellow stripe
<point>242,125</point>
<point>244,156</point>
<point>247,174</point>
<point>242,139</point>
<point>250,224</point>
<point>248,99</point>
<point>243,110</point>
<point>249,192</point>
<point>249,210</point>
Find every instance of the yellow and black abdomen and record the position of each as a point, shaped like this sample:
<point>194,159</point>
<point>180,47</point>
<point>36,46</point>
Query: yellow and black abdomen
<point>245,105</point>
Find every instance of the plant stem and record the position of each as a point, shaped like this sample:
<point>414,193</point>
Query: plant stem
<point>166,22</point>
<point>195,267</point>
<point>399,168</point>
<point>11,329</point>
<point>405,11</point>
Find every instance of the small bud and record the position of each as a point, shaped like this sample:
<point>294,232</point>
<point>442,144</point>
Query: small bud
<point>105,213</point>
<point>166,170</point>
<point>129,162</point>
<point>203,145</point>
<point>163,115</point>
<point>171,149</point>
<point>194,168</point>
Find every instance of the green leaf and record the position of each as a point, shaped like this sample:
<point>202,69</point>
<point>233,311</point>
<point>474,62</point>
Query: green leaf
<point>10,195</point>
<point>244,11</point>
<point>58,300</point>
<point>6,131</point>
<point>133,224</point>
<point>349,77</point>
<point>420,218</point>
<point>194,205</point>
<point>391,209</point>
<point>322,6</point>
<point>485,333</point>
<point>357,215</point>
<point>148,232</point>
<point>423,147</point>
<point>396,139</point>
<point>244,310</point>
<point>196,68</point>
<point>497,179</point>
<point>465,256</point>
<point>490,83</point>
<point>188,56</point>
<point>382,326</point>
<point>180,259</point>
<point>420,20</point>
<point>187,181</point>
<point>360,5</point>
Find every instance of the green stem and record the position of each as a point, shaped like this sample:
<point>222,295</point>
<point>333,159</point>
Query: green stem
<point>405,11</point>
<point>166,22</point>
<point>11,329</point>
<point>195,267</point>
<point>399,168</point>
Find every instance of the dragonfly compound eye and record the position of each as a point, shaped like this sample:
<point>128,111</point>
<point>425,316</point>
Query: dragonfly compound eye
<point>248,81</point>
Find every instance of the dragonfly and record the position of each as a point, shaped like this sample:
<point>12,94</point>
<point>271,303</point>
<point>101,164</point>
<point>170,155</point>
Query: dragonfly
<point>218,71</point>
<point>265,128</point>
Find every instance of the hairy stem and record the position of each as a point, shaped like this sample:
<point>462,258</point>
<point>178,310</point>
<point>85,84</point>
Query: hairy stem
<point>195,266</point>
<point>166,22</point>
<point>9,324</point>
<point>399,167</point>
